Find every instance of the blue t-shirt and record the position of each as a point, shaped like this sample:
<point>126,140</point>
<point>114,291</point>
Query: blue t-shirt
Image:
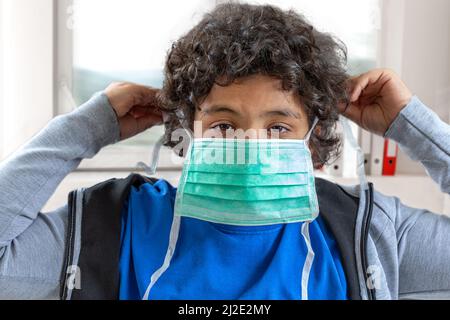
<point>217,261</point>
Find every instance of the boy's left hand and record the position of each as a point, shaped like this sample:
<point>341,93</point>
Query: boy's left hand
<point>376,99</point>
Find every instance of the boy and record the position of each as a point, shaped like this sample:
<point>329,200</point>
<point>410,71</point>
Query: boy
<point>242,67</point>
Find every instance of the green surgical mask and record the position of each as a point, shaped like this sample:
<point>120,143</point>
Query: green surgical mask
<point>248,182</point>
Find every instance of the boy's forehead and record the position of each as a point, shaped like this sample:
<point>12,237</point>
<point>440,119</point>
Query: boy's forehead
<point>255,92</point>
<point>253,83</point>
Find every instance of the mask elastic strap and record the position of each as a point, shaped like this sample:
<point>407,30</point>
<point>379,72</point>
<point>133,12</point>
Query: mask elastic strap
<point>360,155</point>
<point>184,125</point>
<point>151,170</point>
<point>175,227</point>
<point>308,135</point>
<point>308,261</point>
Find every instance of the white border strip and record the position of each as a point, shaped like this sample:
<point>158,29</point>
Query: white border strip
<point>308,261</point>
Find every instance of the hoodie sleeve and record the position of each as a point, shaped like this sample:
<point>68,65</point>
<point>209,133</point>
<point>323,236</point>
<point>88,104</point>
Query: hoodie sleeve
<point>32,243</point>
<point>423,237</point>
<point>424,137</point>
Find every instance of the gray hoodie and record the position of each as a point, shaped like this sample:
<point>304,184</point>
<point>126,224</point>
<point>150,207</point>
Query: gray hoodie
<point>408,249</point>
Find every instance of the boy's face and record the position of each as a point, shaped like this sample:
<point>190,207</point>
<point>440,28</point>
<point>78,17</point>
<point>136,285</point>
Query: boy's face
<point>257,103</point>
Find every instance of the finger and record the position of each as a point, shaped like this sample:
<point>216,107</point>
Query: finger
<point>144,95</point>
<point>342,107</point>
<point>374,89</point>
<point>148,121</point>
<point>352,111</point>
<point>363,82</point>
<point>140,111</point>
<point>137,113</point>
<point>369,98</point>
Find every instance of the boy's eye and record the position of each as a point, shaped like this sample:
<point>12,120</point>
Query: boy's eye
<point>278,129</point>
<point>223,127</point>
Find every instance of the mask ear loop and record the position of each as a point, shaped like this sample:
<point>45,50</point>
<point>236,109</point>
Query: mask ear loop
<point>360,155</point>
<point>184,125</point>
<point>151,170</point>
<point>176,222</point>
<point>306,271</point>
<point>363,184</point>
<point>308,135</point>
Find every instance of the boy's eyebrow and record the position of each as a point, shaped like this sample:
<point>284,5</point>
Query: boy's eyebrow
<point>282,112</point>
<point>219,108</point>
<point>285,112</point>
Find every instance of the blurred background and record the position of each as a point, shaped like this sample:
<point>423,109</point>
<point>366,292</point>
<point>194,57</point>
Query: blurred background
<point>54,54</point>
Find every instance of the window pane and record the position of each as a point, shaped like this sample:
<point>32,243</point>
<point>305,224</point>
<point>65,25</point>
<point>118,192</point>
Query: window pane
<point>127,40</point>
<point>355,22</point>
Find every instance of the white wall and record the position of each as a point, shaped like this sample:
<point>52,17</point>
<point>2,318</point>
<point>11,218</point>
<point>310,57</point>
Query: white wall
<point>1,76</point>
<point>415,42</point>
<point>27,70</point>
<point>426,59</point>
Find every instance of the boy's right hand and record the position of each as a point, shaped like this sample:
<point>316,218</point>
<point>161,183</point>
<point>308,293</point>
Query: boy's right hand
<point>136,107</point>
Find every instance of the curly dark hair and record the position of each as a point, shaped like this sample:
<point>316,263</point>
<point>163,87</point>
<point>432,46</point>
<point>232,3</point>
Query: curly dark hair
<point>236,40</point>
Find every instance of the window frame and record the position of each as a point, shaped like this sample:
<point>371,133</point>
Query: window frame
<point>64,55</point>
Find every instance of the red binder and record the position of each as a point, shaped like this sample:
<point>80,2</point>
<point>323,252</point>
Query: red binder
<point>390,157</point>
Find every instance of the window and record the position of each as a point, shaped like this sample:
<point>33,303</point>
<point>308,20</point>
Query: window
<point>100,41</point>
<point>339,18</point>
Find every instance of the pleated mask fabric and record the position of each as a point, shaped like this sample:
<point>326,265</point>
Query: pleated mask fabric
<point>248,182</point>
